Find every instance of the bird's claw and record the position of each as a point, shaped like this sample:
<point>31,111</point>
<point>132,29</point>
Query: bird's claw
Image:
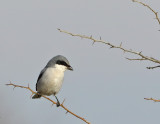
<point>58,104</point>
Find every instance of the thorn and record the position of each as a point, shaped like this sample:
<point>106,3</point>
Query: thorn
<point>93,42</point>
<point>120,45</point>
<point>63,102</point>
<point>14,87</point>
<point>111,47</point>
<point>28,85</point>
<point>66,112</point>
<point>31,95</point>
<point>52,104</point>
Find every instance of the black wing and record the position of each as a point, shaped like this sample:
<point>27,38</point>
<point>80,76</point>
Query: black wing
<point>39,77</point>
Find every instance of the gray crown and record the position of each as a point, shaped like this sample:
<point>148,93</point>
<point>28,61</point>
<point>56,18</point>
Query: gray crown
<point>54,60</point>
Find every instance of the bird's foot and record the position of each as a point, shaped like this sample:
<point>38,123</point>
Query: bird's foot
<point>58,104</point>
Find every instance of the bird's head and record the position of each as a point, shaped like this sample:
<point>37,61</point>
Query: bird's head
<point>60,62</point>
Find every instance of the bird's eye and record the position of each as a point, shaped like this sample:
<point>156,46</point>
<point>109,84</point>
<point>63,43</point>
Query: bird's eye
<point>62,63</point>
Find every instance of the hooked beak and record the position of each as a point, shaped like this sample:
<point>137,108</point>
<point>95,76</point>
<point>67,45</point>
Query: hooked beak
<point>70,68</point>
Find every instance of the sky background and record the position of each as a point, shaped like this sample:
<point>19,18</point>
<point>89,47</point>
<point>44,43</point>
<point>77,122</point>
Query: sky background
<point>104,87</point>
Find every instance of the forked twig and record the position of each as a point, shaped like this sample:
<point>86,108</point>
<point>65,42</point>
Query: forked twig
<point>33,92</point>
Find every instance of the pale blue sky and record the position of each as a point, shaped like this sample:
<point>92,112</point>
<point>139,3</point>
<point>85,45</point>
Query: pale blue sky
<point>104,87</point>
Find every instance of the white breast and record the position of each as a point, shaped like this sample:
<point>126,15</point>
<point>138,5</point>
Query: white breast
<point>51,81</point>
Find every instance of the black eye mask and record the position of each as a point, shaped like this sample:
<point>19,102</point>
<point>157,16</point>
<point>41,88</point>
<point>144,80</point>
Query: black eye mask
<point>59,62</point>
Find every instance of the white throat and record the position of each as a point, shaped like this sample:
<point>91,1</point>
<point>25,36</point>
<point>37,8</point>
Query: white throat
<point>60,67</point>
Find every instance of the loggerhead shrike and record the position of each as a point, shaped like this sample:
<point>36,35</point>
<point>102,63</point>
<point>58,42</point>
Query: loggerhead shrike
<point>51,77</point>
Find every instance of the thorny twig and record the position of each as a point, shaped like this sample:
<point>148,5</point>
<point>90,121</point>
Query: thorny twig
<point>123,49</point>
<point>33,92</point>
<point>143,57</point>
<point>156,13</point>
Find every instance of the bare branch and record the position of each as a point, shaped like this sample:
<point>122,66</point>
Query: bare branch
<point>136,59</point>
<point>155,100</point>
<point>143,57</point>
<point>153,67</point>
<point>156,13</point>
<point>33,92</point>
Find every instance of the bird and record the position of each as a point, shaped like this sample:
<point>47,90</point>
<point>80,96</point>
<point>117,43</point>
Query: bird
<point>51,77</point>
